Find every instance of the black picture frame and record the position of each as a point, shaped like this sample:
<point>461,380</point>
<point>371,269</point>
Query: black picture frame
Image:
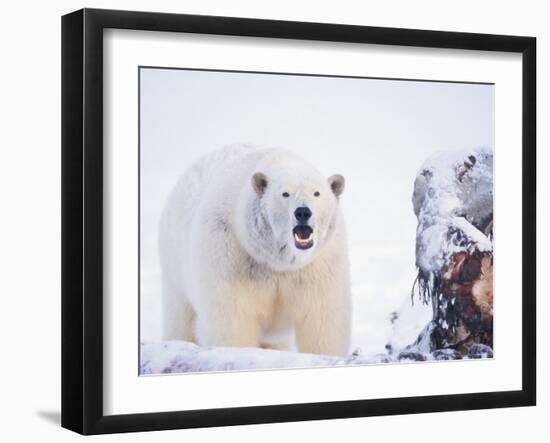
<point>82,220</point>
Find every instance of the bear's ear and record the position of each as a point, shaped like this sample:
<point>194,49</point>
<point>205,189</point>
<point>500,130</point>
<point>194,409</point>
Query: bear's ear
<point>259,183</point>
<point>337,184</point>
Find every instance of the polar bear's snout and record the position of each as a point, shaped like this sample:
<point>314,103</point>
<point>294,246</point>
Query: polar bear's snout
<point>303,233</point>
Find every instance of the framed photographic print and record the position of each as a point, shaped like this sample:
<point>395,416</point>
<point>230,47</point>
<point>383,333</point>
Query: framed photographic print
<point>269,221</point>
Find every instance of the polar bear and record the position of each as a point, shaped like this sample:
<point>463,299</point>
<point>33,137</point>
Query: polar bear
<point>253,254</point>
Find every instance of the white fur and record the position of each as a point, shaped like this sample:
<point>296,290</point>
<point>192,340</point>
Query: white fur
<point>232,275</point>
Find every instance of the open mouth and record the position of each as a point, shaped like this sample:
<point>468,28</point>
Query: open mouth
<point>303,236</point>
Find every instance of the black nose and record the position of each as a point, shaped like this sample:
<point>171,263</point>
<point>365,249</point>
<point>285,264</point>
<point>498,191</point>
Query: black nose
<point>302,214</point>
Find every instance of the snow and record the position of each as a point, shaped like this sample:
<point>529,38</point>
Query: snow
<point>478,239</point>
<point>178,357</point>
<point>452,194</point>
<point>181,356</point>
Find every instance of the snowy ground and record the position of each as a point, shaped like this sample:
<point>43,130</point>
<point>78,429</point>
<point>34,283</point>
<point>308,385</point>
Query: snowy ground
<point>377,133</point>
<point>175,357</point>
<point>179,356</point>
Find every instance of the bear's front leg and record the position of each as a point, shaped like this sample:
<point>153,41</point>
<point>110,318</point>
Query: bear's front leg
<point>325,324</point>
<point>324,331</point>
<point>228,319</point>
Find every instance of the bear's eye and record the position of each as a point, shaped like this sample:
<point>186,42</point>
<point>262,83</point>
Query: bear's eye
<point>316,193</point>
<point>286,194</point>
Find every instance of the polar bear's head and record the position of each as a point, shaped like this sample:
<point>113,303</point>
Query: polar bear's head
<point>292,212</point>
